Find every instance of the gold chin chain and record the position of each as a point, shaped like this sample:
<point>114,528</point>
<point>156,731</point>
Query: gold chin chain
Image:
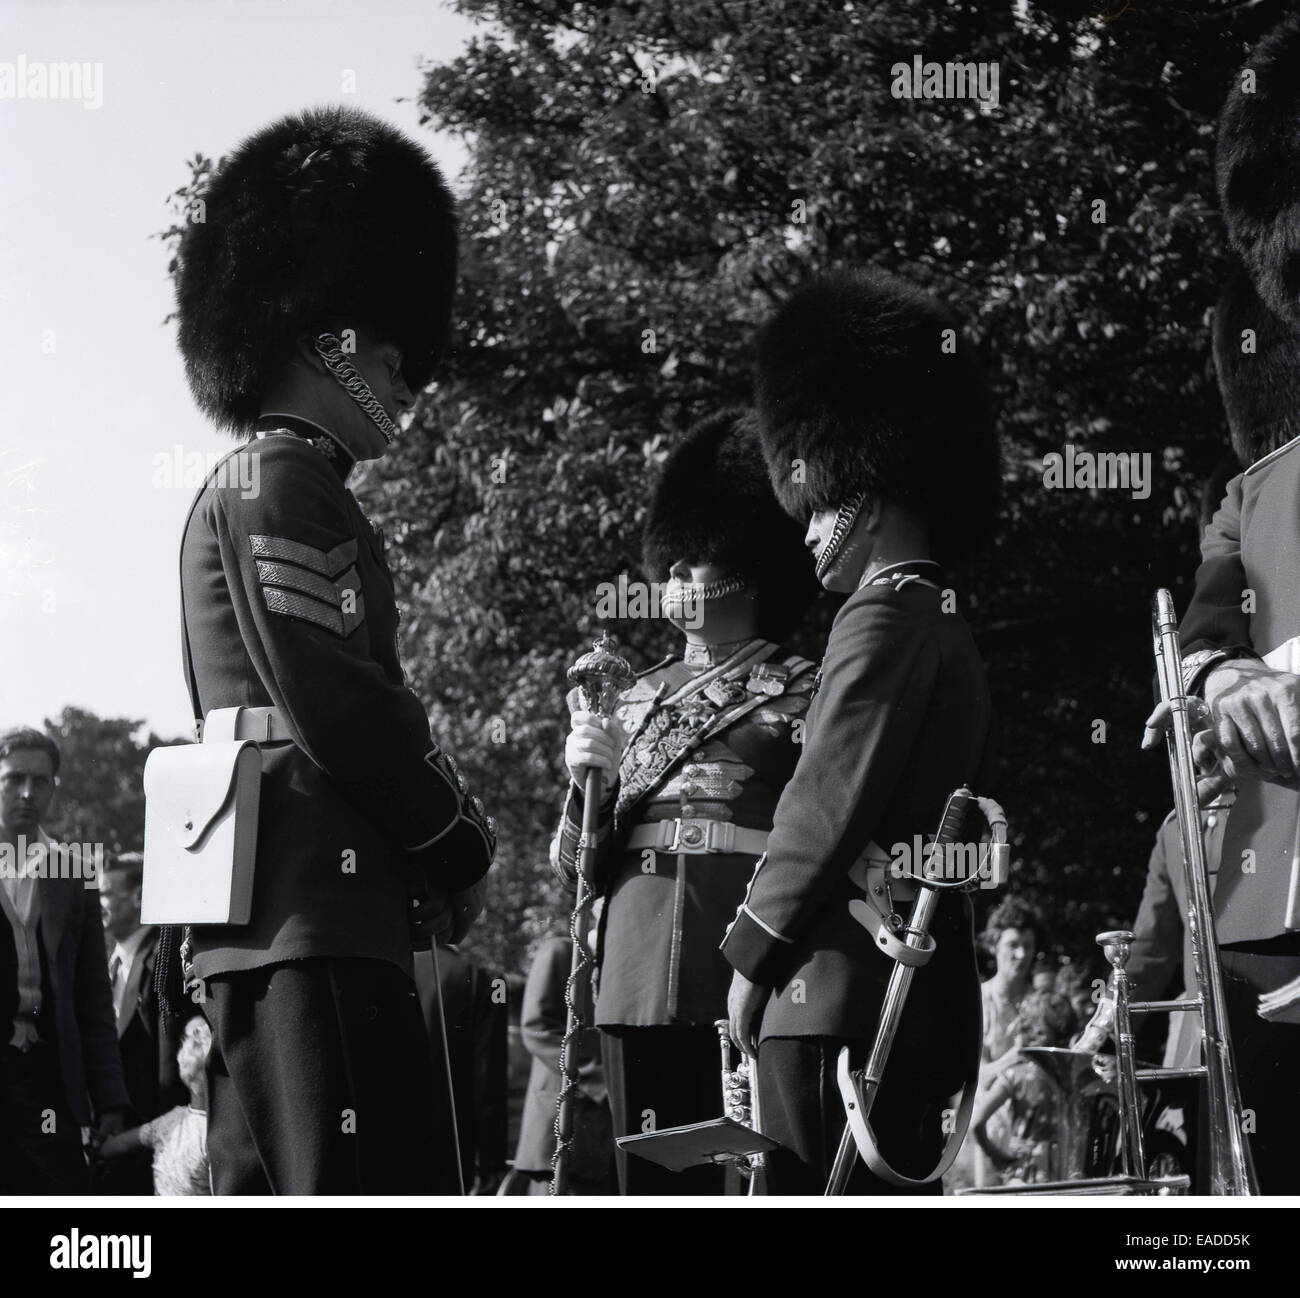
<point>348,377</point>
<point>844,520</point>
<point>683,592</point>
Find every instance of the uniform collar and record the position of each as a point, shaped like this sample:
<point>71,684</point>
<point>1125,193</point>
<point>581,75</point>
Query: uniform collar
<point>703,656</point>
<point>327,442</point>
<point>896,573</point>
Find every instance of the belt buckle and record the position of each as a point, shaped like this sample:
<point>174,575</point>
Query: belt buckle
<point>687,833</point>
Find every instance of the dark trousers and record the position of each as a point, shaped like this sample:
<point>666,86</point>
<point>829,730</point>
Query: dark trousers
<point>320,1082</point>
<point>657,1078</point>
<point>40,1140</point>
<point>1268,1060</point>
<point>802,1110</point>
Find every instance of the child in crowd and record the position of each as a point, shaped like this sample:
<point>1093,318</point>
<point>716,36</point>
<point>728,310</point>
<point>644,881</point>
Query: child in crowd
<point>179,1137</point>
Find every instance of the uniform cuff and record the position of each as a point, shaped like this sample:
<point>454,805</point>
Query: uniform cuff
<point>756,951</point>
<point>1197,666</point>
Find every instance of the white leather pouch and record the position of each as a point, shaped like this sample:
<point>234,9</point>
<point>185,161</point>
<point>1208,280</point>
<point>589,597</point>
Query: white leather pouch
<point>200,827</point>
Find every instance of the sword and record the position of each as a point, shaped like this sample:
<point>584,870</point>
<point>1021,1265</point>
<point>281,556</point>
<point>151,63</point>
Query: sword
<point>446,1063</point>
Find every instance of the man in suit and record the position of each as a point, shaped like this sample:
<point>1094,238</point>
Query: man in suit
<point>314,301</point>
<point>695,756</point>
<point>59,1065</point>
<point>148,1041</point>
<point>877,433</point>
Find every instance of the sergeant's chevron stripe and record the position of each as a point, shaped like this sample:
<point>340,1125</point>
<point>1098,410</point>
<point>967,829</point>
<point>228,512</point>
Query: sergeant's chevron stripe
<point>328,563</point>
<point>284,574</point>
<point>318,586</point>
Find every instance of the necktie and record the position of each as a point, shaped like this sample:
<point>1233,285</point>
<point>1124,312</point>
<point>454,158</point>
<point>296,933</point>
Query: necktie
<point>115,979</point>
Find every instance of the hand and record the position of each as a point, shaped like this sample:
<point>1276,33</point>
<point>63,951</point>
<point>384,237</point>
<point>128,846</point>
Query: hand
<point>111,1123</point>
<point>443,916</point>
<point>1218,751</point>
<point>745,1003</point>
<point>1257,720</point>
<point>594,741</point>
<point>1106,1067</point>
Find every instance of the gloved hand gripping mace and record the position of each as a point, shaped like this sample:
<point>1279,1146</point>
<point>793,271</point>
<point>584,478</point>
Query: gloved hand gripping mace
<point>601,675</point>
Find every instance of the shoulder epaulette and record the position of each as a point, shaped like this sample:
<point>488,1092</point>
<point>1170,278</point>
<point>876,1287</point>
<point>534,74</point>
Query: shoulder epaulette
<point>1272,455</point>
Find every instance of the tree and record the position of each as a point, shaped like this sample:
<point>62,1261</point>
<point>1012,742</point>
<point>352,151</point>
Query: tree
<point>100,798</point>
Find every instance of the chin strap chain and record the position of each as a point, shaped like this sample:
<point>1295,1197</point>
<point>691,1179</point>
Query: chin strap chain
<point>844,520</point>
<point>348,377</point>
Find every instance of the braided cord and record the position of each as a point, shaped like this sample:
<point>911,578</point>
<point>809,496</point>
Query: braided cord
<point>330,350</point>
<point>574,1026</point>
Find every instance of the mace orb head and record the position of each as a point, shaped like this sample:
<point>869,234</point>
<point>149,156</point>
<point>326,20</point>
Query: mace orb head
<point>602,675</point>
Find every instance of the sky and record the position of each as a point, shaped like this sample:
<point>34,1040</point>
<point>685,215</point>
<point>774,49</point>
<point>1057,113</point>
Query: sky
<point>93,400</point>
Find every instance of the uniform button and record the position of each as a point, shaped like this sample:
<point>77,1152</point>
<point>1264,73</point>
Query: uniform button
<point>371,1013</point>
<point>687,809</point>
<point>688,788</point>
<point>690,770</point>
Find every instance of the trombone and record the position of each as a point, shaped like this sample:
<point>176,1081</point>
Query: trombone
<point>1229,1166</point>
<point>1230,1169</point>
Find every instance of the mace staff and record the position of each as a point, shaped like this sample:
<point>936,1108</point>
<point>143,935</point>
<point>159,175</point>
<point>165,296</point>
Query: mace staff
<point>600,676</point>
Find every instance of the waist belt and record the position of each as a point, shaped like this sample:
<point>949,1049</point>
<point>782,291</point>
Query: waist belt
<point>693,837</point>
<point>262,725</point>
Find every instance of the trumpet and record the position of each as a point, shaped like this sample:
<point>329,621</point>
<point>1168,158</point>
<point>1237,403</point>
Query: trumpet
<point>740,1104</point>
<point>735,1140</point>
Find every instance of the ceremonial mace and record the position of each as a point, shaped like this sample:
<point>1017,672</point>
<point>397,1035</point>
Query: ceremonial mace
<point>601,676</point>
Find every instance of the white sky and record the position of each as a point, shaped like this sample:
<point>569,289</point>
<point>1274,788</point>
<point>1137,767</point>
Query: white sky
<point>89,602</point>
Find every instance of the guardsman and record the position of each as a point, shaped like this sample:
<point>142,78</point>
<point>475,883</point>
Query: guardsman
<point>702,746</point>
<point>1241,632</point>
<point>314,300</point>
<point>877,432</point>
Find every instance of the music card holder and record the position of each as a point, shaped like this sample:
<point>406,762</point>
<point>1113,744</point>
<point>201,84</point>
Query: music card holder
<point>200,827</point>
<point>699,1144</point>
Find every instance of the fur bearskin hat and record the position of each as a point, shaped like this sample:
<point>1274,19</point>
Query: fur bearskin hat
<point>1258,166</point>
<point>1260,390</point>
<point>855,394</point>
<point>326,215</point>
<point>713,503</point>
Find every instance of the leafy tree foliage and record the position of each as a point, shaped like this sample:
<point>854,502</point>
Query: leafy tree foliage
<point>100,797</point>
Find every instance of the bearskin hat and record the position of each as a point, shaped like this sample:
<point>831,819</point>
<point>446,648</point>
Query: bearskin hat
<point>325,215</point>
<point>1258,167</point>
<point>1260,389</point>
<point>713,503</point>
<point>856,393</point>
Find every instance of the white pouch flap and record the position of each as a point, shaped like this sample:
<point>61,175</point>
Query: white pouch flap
<point>200,837</point>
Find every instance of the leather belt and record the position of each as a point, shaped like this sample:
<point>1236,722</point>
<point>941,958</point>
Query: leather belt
<point>873,873</point>
<point>263,725</point>
<point>693,837</point>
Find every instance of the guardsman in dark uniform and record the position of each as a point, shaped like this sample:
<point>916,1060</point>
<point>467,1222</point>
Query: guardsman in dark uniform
<point>1241,633</point>
<point>314,300</point>
<point>711,738</point>
<point>880,433</point>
